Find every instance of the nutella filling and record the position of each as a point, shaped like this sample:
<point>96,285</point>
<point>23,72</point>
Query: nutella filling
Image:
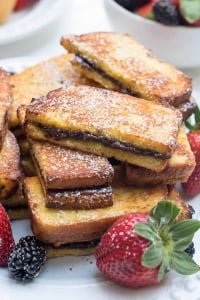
<point>89,65</point>
<point>60,134</point>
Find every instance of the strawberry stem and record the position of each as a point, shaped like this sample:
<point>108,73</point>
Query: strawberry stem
<point>169,239</point>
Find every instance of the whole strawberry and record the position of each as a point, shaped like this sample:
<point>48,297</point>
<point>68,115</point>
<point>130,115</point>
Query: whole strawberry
<point>192,186</point>
<point>139,250</point>
<point>6,237</point>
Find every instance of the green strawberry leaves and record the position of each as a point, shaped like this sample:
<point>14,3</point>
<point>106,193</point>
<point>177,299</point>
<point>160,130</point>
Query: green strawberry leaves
<point>184,264</point>
<point>168,240</point>
<point>190,10</point>
<point>196,126</point>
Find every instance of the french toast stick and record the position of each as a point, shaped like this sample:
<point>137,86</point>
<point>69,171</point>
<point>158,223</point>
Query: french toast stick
<point>41,78</point>
<point>72,179</point>
<point>62,168</point>
<point>106,123</point>
<point>117,61</point>
<point>58,227</point>
<point>179,167</point>
<point>5,103</point>
<point>10,172</point>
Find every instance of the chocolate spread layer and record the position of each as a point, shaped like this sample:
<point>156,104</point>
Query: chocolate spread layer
<point>79,245</point>
<point>59,134</point>
<point>89,65</point>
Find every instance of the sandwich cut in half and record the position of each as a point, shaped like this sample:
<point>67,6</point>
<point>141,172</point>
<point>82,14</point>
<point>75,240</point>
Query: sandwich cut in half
<point>118,62</point>
<point>68,232</point>
<point>106,123</point>
<point>72,179</point>
<point>179,167</point>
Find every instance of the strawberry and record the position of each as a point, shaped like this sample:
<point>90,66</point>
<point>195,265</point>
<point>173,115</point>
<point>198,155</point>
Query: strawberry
<point>138,250</point>
<point>146,11</point>
<point>192,186</point>
<point>6,237</point>
<point>21,4</point>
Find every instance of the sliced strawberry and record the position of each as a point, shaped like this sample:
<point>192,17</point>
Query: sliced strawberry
<point>138,251</point>
<point>6,237</point>
<point>146,10</point>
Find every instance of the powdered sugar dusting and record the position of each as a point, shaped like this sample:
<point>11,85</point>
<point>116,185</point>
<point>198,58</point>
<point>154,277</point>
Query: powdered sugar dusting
<point>110,114</point>
<point>65,168</point>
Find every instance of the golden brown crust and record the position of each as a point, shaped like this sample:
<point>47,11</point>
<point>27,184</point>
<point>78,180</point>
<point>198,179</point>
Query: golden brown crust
<point>59,227</point>
<point>16,200</point>
<point>62,168</point>
<point>132,65</point>
<point>178,169</point>
<point>39,79</point>
<point>117,117</point>
<point>60,252</point>
<point>187,108</point>
<point>5,103</point>
<point>18,213</point>
<point>9,166</point>
<point>92,198</point>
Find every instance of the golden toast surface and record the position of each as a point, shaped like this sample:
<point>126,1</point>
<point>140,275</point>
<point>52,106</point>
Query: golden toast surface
<point>39,79</point>
<point>5,103</point>
<point>9,166</point>
<point>178,169</point>
<point>59,227</point>
<point>107,118</point>
<point>62,168</point>
<point>128,63</point>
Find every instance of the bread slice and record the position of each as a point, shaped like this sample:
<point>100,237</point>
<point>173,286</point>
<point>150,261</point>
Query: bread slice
<point>9,166</point>
<point>5,103</point>
<point>106,123</point>
<point>178,169</point>
<point>118,61</point>
<point>58,227</point>
<point>39,79</point>
<point>16,205</point>
<point>61,168</point>
<point>72,179</point>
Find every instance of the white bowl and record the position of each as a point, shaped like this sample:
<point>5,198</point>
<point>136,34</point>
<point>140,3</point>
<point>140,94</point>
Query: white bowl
<point>178,45</point>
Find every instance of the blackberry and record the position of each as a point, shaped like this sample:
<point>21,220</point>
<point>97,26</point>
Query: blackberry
<point>27,258</point>
<point>166,13</point>
<point>132,4</point>
<point>190,250</point>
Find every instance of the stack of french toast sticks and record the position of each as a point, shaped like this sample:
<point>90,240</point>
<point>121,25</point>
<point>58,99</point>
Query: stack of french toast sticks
<point>94,134</point>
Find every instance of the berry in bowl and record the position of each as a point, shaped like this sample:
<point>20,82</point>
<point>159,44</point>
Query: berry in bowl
<point>170,28</point>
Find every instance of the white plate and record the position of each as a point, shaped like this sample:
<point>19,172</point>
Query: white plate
<point>77,278</point>
<point>26,22</point>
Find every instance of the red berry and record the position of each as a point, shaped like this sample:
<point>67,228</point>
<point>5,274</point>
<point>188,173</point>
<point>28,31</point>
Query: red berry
<point>139,250</point>
<point>119,254</point>
<point>22,4</point>
<point>6,237</point>
<point>146,10</point>
<point>192,186</point>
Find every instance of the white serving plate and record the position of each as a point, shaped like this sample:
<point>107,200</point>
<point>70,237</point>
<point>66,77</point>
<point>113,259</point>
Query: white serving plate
<point>77,278</point>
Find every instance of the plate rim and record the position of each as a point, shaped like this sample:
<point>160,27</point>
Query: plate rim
<point>50,16</point>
